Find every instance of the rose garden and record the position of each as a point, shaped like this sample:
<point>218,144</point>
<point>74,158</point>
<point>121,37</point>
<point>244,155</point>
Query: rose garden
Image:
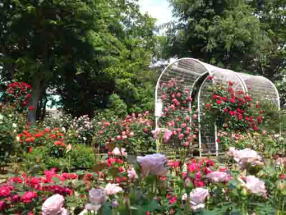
<point>108,165</point>
<point>138,127</point>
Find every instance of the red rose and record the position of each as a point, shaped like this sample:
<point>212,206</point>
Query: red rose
<point>28,196</point>
<point>232,100</point>
<point>5,191</point>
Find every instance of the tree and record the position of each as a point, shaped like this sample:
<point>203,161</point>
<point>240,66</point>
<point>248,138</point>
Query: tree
<point>242,35</point>
<point>126,49</point>
<point>86,49</point>
<point>224,32</point>
<point>271,14</point>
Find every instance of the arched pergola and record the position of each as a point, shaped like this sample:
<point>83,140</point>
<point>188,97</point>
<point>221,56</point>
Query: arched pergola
<point>195,75</point>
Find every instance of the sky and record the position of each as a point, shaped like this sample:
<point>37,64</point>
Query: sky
<point>158,9</point>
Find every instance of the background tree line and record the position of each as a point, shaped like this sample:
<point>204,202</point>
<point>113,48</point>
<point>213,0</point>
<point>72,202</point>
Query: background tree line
<point>96,54</point>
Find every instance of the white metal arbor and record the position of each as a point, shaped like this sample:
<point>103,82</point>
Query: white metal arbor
<point>194,75</point>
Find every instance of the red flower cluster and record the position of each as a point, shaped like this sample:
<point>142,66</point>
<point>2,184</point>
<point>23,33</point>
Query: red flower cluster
<point>197,170</point>
<point>233,109</point>
<point>31,138</point>
<point>19,93</point>
<point>35,188</point>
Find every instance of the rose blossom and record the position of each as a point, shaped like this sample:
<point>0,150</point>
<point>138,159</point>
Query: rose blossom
<point>96,198</point>
<point>254,185</point>
<point>156,133</point>
<point>2,205</point>
<point>54,205</point>
<point>198,197</point>
<point>218,176</point>
<point>28,196</point>
<point>5,191</point>
<point>119,152</point>
<point>167,135</point>
<point>245,156</point>
<point>153,164</point>
<point>112,189</point>
<point>132,174</point>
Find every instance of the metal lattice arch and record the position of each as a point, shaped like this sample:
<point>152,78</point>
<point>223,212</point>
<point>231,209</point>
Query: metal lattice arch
<point>195,76</point>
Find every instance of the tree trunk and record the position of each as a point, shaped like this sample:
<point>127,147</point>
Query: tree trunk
<point>36,94</point>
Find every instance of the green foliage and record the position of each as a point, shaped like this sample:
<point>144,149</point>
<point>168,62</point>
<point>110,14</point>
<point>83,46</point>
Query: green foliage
<point>7,140</point>
<point>86,50</point>
<point>220,32</point>
<point>237,34</point>
<point>81,157</point>
<point>11,122</point>
<point>43,157</point>
<point>116,105</point>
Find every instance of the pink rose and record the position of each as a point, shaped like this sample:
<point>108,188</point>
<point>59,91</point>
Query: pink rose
<point>198,197</point>
<point>2,205</point>
<point>245,156</point>
<point>167,135</point>
<point>132,174</point>
<point>156,133</point>
<point>54,205</point>
<point>119,152</point>
<point>254,185</point>
<point>218,176</point>
<point>96,198</point>
<point>153,164</point>
<point>112,189</point>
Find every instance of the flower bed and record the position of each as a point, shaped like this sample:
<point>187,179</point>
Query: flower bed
<point>152,184</point>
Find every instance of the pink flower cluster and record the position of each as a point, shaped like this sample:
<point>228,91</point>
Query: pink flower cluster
<point>179,129</point>
<point>200,172</point>
<point>122,132</point>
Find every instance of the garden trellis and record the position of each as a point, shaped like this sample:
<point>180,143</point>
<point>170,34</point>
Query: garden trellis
<point>196,77</point>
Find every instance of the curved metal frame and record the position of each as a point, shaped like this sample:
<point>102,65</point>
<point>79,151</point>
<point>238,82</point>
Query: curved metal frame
<point>210,70</point>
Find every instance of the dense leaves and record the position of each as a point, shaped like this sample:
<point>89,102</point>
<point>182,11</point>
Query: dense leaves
<point>241,35</point>
<point>87,50</point>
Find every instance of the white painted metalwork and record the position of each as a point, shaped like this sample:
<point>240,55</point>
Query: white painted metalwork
<point>193,73</point>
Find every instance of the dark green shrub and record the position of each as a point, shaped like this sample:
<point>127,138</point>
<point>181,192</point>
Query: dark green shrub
<point>79,157</point>
<point>11,122</point>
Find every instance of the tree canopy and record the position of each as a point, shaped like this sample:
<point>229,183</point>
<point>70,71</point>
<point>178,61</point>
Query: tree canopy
<point>246,36</point>
<point>96,54</point>
<point>86,49</point>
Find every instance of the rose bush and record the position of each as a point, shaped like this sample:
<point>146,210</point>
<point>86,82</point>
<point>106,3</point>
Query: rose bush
<point>18,94</point>
<point>132,133</point>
